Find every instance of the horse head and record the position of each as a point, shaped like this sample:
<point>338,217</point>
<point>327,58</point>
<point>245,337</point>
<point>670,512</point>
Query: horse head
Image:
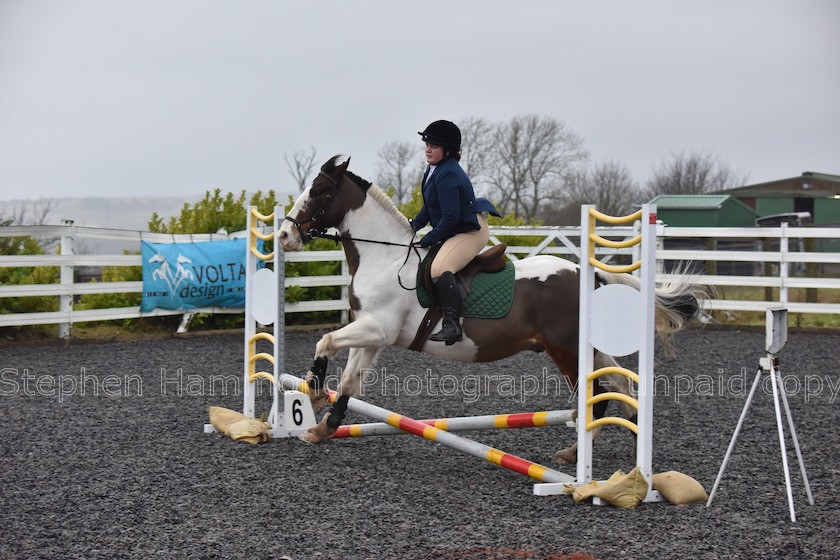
<point>324,204</point>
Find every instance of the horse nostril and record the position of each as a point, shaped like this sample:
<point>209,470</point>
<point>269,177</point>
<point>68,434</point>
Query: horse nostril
<point>283,236</point>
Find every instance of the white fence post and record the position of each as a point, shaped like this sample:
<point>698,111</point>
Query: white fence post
<point>65,301</point>
<point>783,264</point>
<point>660,245</point>
<point>345,292</point>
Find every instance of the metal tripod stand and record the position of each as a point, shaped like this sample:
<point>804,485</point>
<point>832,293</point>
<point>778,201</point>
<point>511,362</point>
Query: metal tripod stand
<point>775,340</point>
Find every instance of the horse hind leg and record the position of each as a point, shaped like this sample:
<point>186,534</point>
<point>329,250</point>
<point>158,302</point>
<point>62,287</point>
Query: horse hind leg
<point>607,383</point>
<point>568,364</point>
<point>568,456</point>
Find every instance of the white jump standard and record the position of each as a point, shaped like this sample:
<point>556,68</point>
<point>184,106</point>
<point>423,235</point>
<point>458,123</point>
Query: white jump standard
<point>617,320</point>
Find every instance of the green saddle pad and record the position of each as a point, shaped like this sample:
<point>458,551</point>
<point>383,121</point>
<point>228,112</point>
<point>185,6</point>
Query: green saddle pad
<point>490,297</point>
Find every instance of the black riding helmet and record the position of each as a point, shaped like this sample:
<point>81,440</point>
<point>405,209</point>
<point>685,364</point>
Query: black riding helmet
<point>443,133</point>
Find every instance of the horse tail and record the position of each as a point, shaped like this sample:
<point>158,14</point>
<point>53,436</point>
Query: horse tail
<point>676,302</point>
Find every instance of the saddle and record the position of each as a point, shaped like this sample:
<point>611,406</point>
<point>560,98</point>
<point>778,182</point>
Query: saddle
<point>492,260</point>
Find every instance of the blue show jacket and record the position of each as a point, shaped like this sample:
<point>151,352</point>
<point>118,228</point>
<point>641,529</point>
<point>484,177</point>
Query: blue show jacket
<point>449,203</point>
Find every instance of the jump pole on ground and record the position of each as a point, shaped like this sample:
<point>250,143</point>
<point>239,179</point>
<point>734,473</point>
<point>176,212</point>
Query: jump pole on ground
<point>468,446</point>
<point>466,423</point>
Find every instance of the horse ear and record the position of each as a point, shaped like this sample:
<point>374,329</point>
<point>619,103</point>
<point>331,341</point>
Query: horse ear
<point>343,166</point>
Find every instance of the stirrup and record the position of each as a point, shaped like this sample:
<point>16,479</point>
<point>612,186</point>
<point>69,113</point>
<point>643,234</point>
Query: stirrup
<point>450,334</point>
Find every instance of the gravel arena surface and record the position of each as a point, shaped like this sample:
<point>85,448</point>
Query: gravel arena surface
<point>103,456</point>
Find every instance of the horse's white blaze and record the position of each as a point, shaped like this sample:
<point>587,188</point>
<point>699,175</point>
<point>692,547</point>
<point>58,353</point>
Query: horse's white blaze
<point>541,267</point>
<point>288,232</point>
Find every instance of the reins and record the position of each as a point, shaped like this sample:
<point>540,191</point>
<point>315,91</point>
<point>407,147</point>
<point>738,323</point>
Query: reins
<point>314,232</point>
<point>410,246</point>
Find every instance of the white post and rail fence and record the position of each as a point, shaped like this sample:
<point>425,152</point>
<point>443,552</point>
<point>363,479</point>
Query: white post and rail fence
<point>777,259</point>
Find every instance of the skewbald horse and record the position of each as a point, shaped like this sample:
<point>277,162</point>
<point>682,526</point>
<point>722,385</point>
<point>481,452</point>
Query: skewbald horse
<point>375,236</point>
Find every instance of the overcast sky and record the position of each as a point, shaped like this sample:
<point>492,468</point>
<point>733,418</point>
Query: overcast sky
<point>175,97</point>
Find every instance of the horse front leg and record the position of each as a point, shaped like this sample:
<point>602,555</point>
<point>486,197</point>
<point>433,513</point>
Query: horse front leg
<point>351,378</point>
<point>364,337</point>
<point>362,332</point>
<point>316,379</point>
<point>350,384</point>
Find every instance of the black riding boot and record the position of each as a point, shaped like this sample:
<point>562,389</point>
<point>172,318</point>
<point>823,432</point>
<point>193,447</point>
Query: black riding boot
<point>446,288</point>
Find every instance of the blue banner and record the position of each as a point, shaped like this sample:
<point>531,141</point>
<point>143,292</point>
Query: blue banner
<point>184,276</point>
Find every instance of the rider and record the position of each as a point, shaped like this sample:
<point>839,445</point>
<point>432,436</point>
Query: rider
<point>458,220</point>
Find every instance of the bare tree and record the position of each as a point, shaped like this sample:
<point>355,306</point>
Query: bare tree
<point>532,156</point>
<point>608,185</point>
<point>477,148</point>
<point>400,167</point>
<point>695,173</point>
<point>299,165</point>
<point>30,213</point>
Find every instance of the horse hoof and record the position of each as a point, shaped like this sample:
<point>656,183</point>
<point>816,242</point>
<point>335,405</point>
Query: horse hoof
<point>565,457</point>
<point>310,436</point>
<point>320,432</point>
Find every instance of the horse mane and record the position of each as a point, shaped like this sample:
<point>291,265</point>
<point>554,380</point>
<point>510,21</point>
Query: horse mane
<point>373,191</point>
<point>388,205</point>
<point>361,183</point>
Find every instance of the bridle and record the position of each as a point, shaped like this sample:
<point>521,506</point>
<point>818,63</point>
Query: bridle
<point>316,231</point>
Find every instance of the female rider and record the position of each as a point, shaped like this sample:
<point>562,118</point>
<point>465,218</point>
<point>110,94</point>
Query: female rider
<point>458,220</point>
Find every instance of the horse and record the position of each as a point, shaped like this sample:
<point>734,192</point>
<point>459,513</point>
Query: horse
<point>377,240</point>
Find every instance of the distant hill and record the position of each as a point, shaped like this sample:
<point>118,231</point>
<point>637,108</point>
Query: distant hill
<point>108,212</point>
<point>117,212</point>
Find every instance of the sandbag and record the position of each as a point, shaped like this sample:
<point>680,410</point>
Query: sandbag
<point>239,427</point>
<point>679,488</point>
<point>620,490</point>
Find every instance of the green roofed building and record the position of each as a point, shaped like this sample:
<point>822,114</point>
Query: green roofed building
<point>810,199</point>
<point>703,210</point>
<point>818,194</point>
